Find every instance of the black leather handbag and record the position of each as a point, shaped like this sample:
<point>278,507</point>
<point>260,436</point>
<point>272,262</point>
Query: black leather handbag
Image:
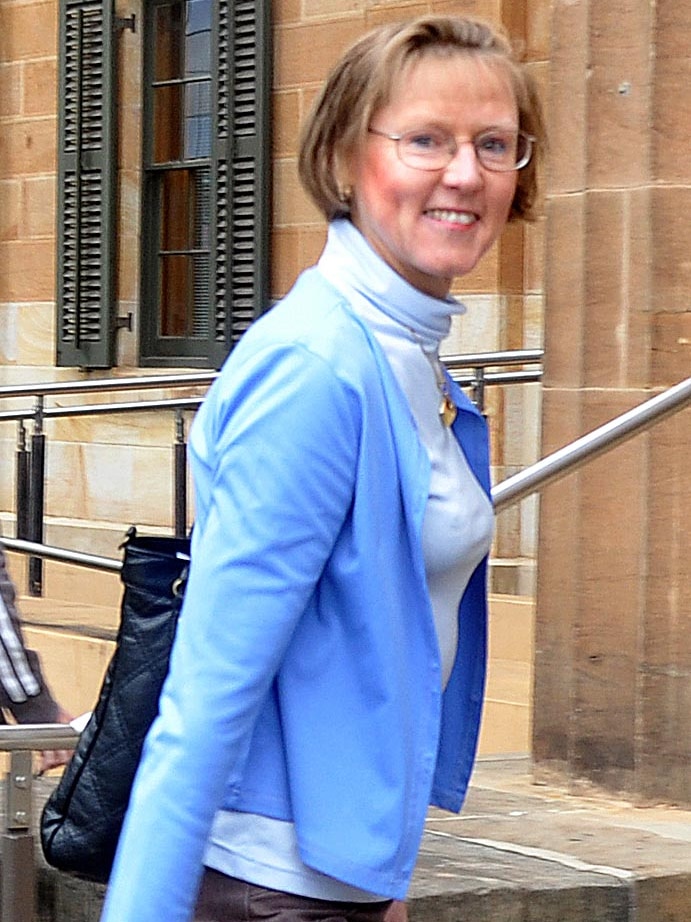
<point>82,818</point>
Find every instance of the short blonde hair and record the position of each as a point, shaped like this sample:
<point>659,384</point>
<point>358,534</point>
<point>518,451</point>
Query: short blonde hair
<point>361,83</point>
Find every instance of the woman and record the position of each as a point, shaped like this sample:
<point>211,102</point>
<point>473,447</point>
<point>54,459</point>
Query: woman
<point>327,678</point>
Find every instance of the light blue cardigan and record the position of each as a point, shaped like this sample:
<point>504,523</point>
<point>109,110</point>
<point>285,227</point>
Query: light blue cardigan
<point>305,678</point>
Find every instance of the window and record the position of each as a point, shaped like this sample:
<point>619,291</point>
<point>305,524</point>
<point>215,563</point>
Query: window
<point>176,281</point>
<point>205,179</point>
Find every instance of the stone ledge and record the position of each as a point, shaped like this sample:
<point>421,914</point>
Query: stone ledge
<point>519,852</point>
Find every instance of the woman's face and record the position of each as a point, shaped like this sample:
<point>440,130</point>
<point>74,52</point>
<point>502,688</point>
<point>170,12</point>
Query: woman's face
<point>432,226</point>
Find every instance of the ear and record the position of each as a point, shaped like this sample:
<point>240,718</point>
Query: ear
<point>344,172</point>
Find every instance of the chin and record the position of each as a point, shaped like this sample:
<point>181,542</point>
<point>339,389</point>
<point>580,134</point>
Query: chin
<point>457,270</point>
<point>465,266</point>
<point>455,264</point>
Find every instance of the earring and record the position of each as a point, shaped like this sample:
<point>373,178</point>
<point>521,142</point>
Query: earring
<point>345,195</point>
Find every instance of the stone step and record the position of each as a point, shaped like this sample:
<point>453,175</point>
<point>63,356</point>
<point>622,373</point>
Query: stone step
<point>518,852</point>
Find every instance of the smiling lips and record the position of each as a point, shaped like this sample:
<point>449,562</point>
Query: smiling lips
<point>453,217</point>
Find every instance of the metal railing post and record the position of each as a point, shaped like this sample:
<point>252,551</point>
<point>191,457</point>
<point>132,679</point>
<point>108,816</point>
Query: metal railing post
<point>36,498</point>
<point>478,388</point>
<point>22,484</point>
<point>18,896</point>
<point>180,476</point>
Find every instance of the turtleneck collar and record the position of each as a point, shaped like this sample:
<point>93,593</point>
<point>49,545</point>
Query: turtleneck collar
<point>357,271</point>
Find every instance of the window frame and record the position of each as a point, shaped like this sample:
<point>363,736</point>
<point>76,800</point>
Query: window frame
<point>231,145</point>
<point>155,348</point>
<point>87,299</point>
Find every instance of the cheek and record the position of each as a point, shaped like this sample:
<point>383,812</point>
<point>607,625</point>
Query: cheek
<point>374,186</point>
<point>382,185</point>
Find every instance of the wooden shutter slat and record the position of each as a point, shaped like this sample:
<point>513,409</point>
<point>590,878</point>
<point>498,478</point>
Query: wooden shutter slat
<point>241,203</point>
<point>86,172</point>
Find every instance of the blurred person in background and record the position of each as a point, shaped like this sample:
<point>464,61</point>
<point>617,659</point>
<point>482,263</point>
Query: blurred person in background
<point>24,693</point>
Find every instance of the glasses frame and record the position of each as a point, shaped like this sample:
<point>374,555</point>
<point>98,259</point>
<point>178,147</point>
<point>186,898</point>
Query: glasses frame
<point>453,150</point>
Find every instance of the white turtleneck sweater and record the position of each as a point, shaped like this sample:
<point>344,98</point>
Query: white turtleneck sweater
<point>409,325</point>
<point>457,527</point>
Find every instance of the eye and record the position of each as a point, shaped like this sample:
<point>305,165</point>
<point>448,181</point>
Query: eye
<point>496,144</point>
<point>425,142</point>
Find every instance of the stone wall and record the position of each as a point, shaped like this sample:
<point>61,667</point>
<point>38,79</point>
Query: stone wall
<point>613,646</point>
<point>28,130</point>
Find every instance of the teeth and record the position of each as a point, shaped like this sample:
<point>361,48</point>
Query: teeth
<point>455,217</point>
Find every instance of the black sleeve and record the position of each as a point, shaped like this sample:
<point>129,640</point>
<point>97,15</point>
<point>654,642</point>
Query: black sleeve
<point>23,690</point>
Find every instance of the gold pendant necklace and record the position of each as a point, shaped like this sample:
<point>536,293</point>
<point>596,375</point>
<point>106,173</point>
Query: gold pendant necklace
<point>448,411</point>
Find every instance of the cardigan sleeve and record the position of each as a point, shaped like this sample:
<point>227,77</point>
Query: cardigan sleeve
<point>275,454</point>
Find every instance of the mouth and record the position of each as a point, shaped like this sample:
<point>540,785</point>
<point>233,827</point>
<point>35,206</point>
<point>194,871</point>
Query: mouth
<point>464,218</point>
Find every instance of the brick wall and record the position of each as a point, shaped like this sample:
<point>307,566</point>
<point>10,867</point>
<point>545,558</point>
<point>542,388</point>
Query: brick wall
<point>28,36</point>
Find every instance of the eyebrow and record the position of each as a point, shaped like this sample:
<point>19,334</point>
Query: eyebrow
<point>436,126</point>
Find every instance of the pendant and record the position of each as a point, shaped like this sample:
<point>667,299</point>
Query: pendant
<point>447,410</point>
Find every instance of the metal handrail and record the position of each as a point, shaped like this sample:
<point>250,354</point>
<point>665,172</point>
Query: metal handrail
<point>195,379</point>
<point>499,377</point>
<point>61,554</point>
<point>480,377</point>
<point>193,403</point>
<point>101,409</point>
<point>534,478</point>
<point>31,465</point>
<point>17,737</point>
<point>56,388</point>
<point>493,359</point>
<point>590,446</point>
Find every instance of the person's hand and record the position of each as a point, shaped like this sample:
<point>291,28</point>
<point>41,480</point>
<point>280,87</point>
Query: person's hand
<point>397,912</point>
<point>54,758</point>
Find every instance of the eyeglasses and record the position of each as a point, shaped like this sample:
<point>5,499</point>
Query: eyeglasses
<point>498,149</point>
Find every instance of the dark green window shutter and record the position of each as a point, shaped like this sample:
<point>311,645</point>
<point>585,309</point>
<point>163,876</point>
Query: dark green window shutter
<point>86,185</point>
<point>241,160</point>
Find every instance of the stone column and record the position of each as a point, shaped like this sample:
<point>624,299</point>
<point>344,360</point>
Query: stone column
<point>613,636</point>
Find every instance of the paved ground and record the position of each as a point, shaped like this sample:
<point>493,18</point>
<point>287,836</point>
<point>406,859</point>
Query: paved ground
<point>519,852</point>
<point>522,852</point>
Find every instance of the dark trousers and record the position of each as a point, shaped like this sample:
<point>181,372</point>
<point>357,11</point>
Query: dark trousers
<point>226,899</point>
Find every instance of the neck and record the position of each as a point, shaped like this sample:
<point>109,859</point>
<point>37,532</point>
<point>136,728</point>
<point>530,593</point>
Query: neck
<point>351,264</point>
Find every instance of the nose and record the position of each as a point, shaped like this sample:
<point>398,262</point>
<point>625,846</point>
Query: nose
<point>465,168</point>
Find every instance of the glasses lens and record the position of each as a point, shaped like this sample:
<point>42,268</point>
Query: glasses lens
<point>499,149</point>
<point>426,149</point>
<point>503,150</point>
